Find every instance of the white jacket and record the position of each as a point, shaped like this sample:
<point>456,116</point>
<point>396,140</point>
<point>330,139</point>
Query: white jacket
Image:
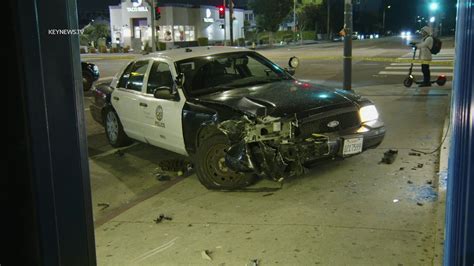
<point>424,47</point>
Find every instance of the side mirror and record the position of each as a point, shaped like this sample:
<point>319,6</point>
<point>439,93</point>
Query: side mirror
<point>165,93</point>
<point>180,80</point>
<point>294,62</point>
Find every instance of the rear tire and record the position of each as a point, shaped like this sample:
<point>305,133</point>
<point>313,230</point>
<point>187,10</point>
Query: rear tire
<point>211,169</point>
<point>114,130</point>
<point>441,80</point>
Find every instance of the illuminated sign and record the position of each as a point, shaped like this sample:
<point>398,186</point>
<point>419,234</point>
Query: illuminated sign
<point>208,16</point>
<point>137,6</point>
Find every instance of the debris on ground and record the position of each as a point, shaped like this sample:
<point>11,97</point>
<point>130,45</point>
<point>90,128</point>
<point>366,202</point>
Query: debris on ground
<point>162,217</point>
<point>266,195</point>
<point>402,168</point>
<point>429,182</point>
<point>161,177</point>
<point>420,165</point>
<point>172,168</point>
<point>396,200</point>
<point>119,153</point>
<point>254,262</point>
<point>389,156</point>
<point>206,254</point>
<point>103,205</point>
<point>410,182</point>
<point>414,154</point>
<point>419,204</point>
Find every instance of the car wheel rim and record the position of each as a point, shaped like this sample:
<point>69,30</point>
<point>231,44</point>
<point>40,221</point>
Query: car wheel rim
<point>216,168</point>
<point>112,127</point>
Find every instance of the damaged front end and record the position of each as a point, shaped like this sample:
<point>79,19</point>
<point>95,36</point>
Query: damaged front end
<point>268,146</point>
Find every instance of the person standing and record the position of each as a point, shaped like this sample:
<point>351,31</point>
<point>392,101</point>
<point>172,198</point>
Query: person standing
<point>425,54</point>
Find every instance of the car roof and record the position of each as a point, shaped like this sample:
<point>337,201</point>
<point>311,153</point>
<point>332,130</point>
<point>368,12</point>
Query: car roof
<point>185,53</point>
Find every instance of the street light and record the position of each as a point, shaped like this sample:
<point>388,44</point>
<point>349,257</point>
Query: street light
<point>434,6</point>
<point>383,18</point>
<point>432,19</point>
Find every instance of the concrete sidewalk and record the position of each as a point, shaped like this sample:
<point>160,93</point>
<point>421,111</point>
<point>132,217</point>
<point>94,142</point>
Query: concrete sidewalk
<point>354,212</point>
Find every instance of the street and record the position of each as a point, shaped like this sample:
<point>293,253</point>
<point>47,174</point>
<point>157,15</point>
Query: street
<point>355,211</point>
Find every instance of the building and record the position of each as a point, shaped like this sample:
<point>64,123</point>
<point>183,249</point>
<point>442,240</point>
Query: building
<point>179,24</point>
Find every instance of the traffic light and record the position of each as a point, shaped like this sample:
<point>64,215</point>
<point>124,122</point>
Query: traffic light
<point>221,11</point>
<point>157,13</point>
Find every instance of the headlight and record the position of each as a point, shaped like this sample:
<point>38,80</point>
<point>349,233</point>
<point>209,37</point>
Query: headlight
<point>95,68</point>
<point>368,113</point>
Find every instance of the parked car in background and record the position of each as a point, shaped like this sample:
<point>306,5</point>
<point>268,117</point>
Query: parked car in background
<point>90,73</point>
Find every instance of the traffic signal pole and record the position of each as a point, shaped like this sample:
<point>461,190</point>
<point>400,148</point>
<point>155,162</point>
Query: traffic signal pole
<point>231,22</point>
<point>152,23</point>
<point>347,85</point>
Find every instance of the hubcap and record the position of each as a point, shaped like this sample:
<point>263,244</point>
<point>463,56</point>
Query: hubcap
<point>112,127</point>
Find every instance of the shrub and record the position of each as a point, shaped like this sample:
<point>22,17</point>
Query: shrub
<point>126,49</point>
<point>83,50</point>
<point>92,50</point>
<point>161,46</point>
<point>102,49</point>
<point>203,41</point>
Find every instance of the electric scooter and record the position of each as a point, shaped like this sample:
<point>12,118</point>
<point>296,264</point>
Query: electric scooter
<point>441,80</point>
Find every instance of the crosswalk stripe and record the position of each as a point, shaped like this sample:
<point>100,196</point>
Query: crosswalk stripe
<point>419,67</point>
<point>405,73</point>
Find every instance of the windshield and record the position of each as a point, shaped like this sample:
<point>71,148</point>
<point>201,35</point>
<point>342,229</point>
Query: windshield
<point>209,74</point>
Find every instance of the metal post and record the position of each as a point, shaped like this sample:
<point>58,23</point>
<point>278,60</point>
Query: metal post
<point>294,21</point>
<point>329,21</point>
<point>153,29</point>
<point>225,25</point>
<point>347,85</point>
<point>383,21</point>
<point>231,22</point>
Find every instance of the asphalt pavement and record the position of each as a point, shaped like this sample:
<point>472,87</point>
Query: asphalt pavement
<point>354,211</point>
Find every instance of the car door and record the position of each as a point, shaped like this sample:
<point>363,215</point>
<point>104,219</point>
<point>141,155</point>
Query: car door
<point>126,95</point>
<point>162,118</point>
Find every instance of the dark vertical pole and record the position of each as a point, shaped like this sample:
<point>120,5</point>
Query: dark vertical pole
<point>347,85</point>
<point>231,22</point>
<point>328,2</point>
<point>459,243</point>
<point>52,93</point>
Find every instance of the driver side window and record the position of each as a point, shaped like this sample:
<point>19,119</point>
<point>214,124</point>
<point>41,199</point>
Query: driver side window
<point>160,76</point>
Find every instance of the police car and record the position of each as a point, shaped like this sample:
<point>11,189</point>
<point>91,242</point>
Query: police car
<point>238,115</point>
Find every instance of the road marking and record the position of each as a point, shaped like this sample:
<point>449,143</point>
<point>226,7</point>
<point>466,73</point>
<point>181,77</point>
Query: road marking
<point>405,73</point>
<point>154,251</point>
<point>109,152</point>
<point>419,67</point>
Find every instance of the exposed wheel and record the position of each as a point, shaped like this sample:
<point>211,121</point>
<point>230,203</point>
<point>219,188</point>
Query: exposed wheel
<point>441,80</point>
<point>408,82</point>
<point>211,168</point>
<point>114,130</point>
<point>87,81</point>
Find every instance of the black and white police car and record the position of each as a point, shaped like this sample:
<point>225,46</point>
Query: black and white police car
<point>238,115</point>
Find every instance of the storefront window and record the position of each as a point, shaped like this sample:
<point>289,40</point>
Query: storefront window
<point>177,33</point>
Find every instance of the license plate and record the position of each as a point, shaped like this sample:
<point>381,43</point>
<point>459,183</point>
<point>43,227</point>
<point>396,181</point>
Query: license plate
<point>352,146</point>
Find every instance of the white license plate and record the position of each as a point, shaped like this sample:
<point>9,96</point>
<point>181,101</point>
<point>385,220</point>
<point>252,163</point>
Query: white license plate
<point>352,146</point>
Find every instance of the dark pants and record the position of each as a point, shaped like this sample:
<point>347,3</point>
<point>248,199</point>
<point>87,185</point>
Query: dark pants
<point>425,68</point>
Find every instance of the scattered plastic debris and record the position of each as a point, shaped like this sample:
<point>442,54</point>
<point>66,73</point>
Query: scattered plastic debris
<point>172,168</point>
<point>254,262</point>
<point>420,165</point>
<point>414,154</point>
<point>266,195</point>
<point>419,204</point>
<point>161,177</point>
<point>206,254</point>
<point>402,168</point>
<point>410,182</point>
<point>162,217</point>
<point>103,205</point>
<point>396,200</point>
<point>389,156</point>
<point>429,182</point>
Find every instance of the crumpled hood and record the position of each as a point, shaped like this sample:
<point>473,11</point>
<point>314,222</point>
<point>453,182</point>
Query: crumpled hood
<point>283,98</point>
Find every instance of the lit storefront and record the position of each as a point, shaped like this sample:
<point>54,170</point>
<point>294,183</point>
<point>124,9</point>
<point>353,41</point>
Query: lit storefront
<point>130,24</point>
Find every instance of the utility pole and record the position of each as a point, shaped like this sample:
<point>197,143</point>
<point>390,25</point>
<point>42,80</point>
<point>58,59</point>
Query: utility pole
<point>294,20</point>
<point>347,85</point>
<point>152,24</point>
<point>225,26</point>
<point>231,21</point>
<point>328,2</point>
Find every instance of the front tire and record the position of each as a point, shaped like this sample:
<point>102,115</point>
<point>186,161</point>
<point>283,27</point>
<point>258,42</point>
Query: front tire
<point>87,81</point>
<point>114,130</point>
<point>408,82</point>
<point>211,169</point>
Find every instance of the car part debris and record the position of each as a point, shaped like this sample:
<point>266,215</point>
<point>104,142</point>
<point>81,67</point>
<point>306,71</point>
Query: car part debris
<point>266,195</point>
<point>254,262</point>
<point>119,153</point>
<point>419,204</point>
<point>206,254</point>
<point>171,168</point>
<point>389,156</point>
<point>414,154</point>
<point>162,217</point>
<point>429,182</point>
<point>161,177</point>
<point>410,182</point>
<point>395,200</point>
<point>420,165</point>
<point>103,205</point>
